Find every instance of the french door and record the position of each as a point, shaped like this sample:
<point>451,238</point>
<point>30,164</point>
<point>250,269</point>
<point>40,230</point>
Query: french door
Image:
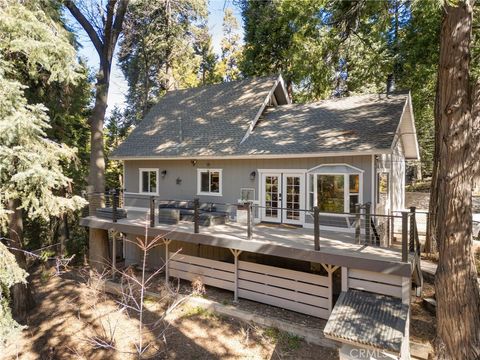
<point>283,197</point>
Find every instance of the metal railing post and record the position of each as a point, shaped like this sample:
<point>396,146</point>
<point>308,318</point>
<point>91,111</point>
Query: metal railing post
<point>316,228</point>
<point>114,205</point>
<point>405,236</point>
<point>357,223</point>
<point>196,215</point>
<point>411,246</point>
<point>152,211</point>
<point>367,223</point>
<point>249,220</point>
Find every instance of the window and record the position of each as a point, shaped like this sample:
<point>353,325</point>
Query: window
<point>148,181</point>
<point>334,188</point>
<point>209,182</point>
<point>354,191</point>
<point>330,193</point>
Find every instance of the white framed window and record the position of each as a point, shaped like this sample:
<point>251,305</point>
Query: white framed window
<point>148,181</point>
<point>209,182</point>
<point>335,188</point>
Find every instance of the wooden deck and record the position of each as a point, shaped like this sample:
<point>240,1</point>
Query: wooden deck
<point>336,248</point>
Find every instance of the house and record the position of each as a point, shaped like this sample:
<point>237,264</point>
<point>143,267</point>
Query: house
<point>329,174</point>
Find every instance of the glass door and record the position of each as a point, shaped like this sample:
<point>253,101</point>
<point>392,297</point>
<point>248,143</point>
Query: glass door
<point>271,198</point>
<point>293,198</point>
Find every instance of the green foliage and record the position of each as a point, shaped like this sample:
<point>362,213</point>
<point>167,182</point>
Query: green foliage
<point>230,45</point>
<point>157,51</point>
<point>116,130</point>
<point>10,274</point>
<point>209,72</point>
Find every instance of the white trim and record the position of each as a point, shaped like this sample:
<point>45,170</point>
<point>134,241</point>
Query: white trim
<point>283,171</point>
<point>336,164</point>
<point>399,134</point>
<point>140,179</point>
<point>346,187</point>
<point>258,156</point>
<point>199,182</point>
<point>263,106</point>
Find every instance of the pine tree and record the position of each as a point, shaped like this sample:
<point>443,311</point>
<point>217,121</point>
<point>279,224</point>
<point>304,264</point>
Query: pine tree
<point>157,51</point>
<point>230,45</point>
<point>208,72</point>
<point>31,172</point>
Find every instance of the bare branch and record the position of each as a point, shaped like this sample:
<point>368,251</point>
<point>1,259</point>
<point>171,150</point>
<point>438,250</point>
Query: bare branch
<point>119,17</point>
<point>89,29</point>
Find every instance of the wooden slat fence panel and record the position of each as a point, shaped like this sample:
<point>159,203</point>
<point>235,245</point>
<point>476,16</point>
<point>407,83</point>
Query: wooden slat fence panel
<point>293,290</point>
<point>211,272</point>
<point>379,283</point>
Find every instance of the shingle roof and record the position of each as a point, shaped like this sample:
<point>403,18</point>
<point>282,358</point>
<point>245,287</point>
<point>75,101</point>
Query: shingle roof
<point>212,121</point>
<point>368,319</point>
<point>366,122</point>
<point>208,120</point>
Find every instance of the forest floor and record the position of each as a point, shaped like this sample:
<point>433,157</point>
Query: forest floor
<point>73,320</point>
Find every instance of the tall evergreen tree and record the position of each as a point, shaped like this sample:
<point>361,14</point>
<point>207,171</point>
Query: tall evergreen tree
<point>457,110</point>
<point>230,45</point>
<point>157,52</point>
<point>208,71</point>
<point>31,172</point>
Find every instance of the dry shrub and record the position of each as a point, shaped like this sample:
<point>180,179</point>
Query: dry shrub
<point>198,287</point>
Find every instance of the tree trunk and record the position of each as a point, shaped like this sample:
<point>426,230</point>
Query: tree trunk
<point>21,293</point>
<point>457,290</point>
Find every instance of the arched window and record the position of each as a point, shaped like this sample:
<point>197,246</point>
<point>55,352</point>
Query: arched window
<point>335,188</point>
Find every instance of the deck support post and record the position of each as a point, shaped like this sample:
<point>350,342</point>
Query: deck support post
<point>152,211</point>
<point>236,254</point>
<point>196,215</point>
<point>167,260</point>
<point>405,236</point>
<point>249,220</point>
<point>114,255</point>
<point>411,246</point>
<point>330,269</point>
<point>316,228</point>
<point>357,223</point>
<point>114,205</point>
<point>367,222</point>
<point>344,278</point>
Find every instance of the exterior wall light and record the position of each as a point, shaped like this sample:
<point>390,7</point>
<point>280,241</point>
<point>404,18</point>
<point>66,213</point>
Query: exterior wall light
<point>164,173</point>
<point>179,181</point>
<point>194,162</point>
<point>253,174</point>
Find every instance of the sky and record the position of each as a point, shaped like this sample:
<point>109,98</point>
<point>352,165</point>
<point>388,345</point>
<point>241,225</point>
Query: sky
<point>118,85</point>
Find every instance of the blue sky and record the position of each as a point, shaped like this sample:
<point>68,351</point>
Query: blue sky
<point>118,85</point>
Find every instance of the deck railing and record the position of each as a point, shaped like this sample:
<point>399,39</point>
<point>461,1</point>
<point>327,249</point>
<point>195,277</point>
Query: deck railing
<point>365,227</point>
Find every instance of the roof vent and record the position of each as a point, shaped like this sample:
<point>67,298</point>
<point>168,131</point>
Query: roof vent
<point>390,84</point>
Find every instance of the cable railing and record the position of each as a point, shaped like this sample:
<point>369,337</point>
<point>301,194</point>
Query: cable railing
<point>362,226</point>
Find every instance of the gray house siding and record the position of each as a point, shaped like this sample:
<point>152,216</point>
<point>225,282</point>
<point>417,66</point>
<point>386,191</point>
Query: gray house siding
<point>235,176</point>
